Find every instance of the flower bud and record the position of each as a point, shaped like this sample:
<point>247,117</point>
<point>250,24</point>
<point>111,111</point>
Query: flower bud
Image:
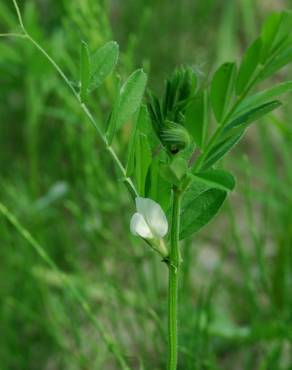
<point>175,137</point>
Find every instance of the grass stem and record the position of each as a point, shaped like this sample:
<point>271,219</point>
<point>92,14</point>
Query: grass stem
<point>26,235</point>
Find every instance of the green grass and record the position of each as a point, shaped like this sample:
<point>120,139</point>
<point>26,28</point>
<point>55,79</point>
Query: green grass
<point>104,293</point>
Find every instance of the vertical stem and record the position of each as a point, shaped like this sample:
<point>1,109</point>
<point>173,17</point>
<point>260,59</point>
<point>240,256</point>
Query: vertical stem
<point>173,279</point>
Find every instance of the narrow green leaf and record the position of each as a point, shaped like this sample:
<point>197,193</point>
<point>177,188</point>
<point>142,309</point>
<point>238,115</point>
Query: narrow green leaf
<point>268,34</point>
<point>283,38</point>
<point>157,188</point>
<point>196,120</point>
<point>220,149</point>
<point>199,205</point>
<point>141,121</point>
<point>103,63</point>
<point>278,62</point>
<point>215,178</point>
<point>142,161</point>
<point>128,102</point>
<point>248,66</point>
<point>84,71</point>
<point>252,115</point>
<point>222,88</point>
<point>264,96</point>
<point>131,96</point>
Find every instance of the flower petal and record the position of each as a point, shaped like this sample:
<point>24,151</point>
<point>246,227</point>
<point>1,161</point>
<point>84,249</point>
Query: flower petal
<point>153,215</point>
<point>139,226</point>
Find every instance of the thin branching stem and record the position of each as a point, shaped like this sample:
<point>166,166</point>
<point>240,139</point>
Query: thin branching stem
<point>13,34</point>
<point>126,179</point>
<point>19,15</point>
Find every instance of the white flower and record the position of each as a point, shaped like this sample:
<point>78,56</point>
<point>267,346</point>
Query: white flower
<point>149,221</point>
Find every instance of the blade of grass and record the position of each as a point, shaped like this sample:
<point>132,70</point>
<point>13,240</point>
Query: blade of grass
<point>26,235</point>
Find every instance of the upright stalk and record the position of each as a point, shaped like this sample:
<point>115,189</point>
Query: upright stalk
<point>173,280</point>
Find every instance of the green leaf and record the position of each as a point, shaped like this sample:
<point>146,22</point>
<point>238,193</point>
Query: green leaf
<point>248,66</point>
<point>103,63</point>
<point>283,38</point>
<point>278,62</point>
<point>128,102</point>
<point>168,175</point>
<point>139,153</point>
<point>199,205</point>
<point>264,96</point>
<point>268,34</point>
<point>220,149</point>
<point>131,96</point>
<point>157,188</point>
<point>252,115</point>
<point>84,71</point>
<point>179,167</point>
<point>143,158</point>
<point>141,121</point>
<point>215,178</point>
<point>222,88</point>
<point>196,121</point>
<point>175,171</point>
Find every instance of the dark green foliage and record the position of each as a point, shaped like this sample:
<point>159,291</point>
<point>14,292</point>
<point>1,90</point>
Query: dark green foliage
<point>127,102</point>
<point>220,149</point>
<point>250,116</point>
<point>222,88</point>
<point>175,171</point>
<point>216,178</point>
<point>197,118</point>
<point>103,62</point>
<point>268,35</point>
<point>248,66</point>
<point>264,96</point>
<point>236,273</point>
<point>168,115</point>
<point>199,205</point>
<point>180,118</point>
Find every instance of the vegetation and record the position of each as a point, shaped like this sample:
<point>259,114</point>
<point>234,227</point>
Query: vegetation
<point>84,138</point>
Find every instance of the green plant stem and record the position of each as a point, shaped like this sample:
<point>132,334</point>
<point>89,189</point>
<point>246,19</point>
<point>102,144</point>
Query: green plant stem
<point>173,281</point>
<point>127,180</point>
<point>11,34</point>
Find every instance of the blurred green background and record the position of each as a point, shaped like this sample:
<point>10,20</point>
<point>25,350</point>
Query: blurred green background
<point>57,179</point>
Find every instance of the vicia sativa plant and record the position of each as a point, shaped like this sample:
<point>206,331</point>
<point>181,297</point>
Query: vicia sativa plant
<point>173,168</point>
